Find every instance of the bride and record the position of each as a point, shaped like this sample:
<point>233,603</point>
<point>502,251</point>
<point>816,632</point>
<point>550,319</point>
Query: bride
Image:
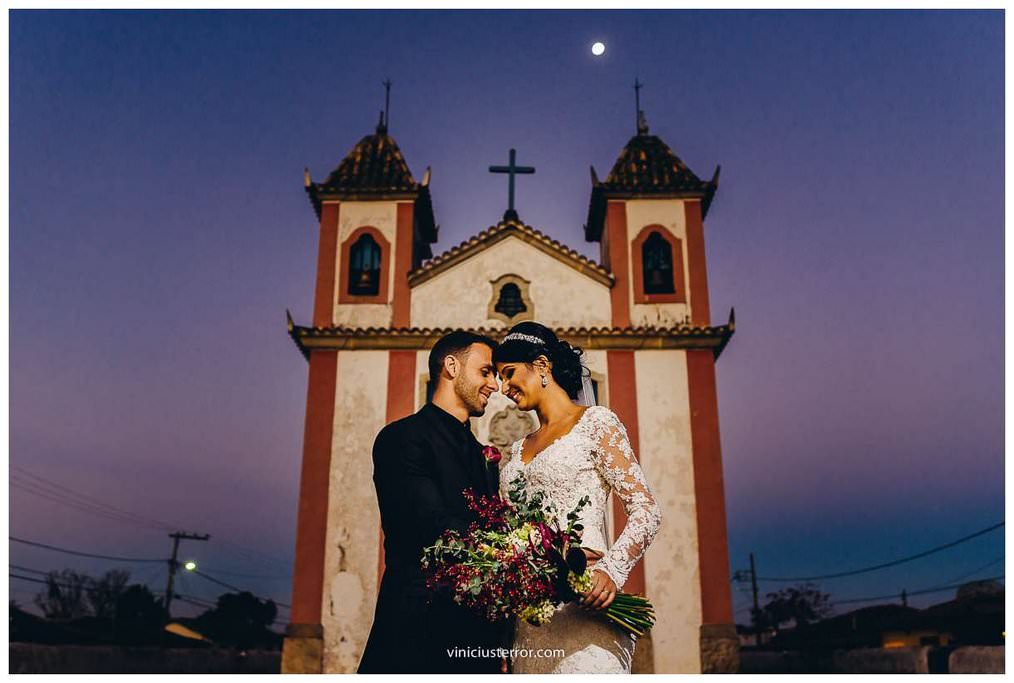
<point>579,450</point>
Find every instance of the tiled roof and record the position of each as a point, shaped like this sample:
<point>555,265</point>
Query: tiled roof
<point>501,231</point>
<point>375,169</point>
<point>375,163</point>
<point>646,167</point>
<point>632,338</point>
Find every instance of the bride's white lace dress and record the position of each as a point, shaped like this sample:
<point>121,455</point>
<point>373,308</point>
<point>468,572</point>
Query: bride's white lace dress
<point>590,460</point>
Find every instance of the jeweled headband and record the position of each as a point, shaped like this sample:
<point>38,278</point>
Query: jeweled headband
<point>531,338</point>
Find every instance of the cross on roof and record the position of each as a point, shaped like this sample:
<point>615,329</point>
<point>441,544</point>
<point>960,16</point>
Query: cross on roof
<point>387,103</point>
<point>511,169</point>
<point>640,124</point>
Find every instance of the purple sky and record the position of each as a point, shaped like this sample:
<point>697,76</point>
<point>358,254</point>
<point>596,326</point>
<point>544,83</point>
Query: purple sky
<point>159,230</point>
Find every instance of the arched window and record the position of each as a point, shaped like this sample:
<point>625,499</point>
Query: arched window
<point>656,257</point>
<point>364,267</point>
<point>510,302</point>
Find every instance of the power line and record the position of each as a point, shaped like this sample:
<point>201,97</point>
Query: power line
<point>231,587</point>
<point>41,492</point>
<point>238,575</point>
<point>81,554</point>
<point>974,571</point>
<point>27,569</point>
<point>884,565</point>
<point>75,496</point>
<point>926,591</point>
<point>65,495</point>
<point>144,583</point>
<point>256,555</point>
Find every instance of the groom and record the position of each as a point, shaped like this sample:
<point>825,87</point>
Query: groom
<point>421,465</point>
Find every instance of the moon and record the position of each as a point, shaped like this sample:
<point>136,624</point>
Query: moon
<point>599,49</point>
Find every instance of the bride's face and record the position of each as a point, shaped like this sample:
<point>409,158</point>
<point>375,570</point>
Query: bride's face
<point>521,383</point>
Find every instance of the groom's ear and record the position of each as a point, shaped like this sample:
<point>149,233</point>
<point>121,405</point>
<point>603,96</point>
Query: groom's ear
<point>452,365</point>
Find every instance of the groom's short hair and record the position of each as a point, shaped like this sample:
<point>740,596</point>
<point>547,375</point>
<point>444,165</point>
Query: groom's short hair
<point>453,344</point>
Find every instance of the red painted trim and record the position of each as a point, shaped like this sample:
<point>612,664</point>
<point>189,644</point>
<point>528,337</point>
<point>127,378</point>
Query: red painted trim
<point>623,402</point>
<point>402,302</point>
<point>385,268</point>
<point>323,297</point>
<point>400,403</point>
<point>616,227</point>
<point>709,490</point>
<point>700,313</point>
<point>311,521</point>
<point>679,296</point>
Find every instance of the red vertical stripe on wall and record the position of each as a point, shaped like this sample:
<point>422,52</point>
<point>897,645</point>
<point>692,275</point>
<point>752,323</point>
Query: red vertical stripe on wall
<point>311,522</point>
<point>619,262</point>
<point>623,402</point>
<point>327,254</point>
<point>400,401</point>
<point>402,303</point>
<point>700,313</point>
<point>709,491</point>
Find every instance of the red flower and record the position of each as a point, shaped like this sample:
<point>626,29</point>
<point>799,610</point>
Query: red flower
<point>492,454</point>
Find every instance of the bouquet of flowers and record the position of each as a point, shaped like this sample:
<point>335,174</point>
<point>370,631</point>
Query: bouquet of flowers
<point>516,561</point>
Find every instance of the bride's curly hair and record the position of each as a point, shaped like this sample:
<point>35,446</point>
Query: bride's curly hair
<point>568,371</point>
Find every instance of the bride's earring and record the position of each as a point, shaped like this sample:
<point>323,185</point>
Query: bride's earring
<point>545,382</point>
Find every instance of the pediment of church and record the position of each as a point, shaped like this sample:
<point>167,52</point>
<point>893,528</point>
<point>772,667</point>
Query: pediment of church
<point>502,231</point>
<point>509,273</point>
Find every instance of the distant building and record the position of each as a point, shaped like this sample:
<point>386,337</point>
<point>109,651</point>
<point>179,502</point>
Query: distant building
<point>975,618</point>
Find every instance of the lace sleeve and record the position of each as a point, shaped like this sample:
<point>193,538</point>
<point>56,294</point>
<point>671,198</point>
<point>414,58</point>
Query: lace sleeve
<point>615,461</point>
<point>505,471</point>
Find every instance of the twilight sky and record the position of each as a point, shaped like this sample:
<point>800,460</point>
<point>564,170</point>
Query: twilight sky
<point>159,230</point>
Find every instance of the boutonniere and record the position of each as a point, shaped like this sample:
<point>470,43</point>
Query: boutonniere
<point>491,454</point>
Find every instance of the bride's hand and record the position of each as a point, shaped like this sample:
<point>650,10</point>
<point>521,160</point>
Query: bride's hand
<point>592,556</point>
<point>602,592</point>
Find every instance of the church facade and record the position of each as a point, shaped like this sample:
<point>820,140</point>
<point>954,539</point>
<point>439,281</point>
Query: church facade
<point>641,313</point>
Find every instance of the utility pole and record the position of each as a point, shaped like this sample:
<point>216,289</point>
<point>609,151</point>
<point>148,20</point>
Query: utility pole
<point>753,582</point>
<point>740,576</point>
<point>173,564</point>
<point>756,604</point>
<point>904,597</point>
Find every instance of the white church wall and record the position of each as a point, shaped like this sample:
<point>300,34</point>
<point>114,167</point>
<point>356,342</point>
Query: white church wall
<point>353,519</point>
<point>672,574</point>
<point>351,216</point>
<point>670,214</point>
<point>460,296</point>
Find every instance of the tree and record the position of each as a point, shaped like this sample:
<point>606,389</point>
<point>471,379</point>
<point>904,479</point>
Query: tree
<point>138,615</point>
<point>801,605</point>
<point>64,595</point>
<point>104,592</point>
<point>241,620</point>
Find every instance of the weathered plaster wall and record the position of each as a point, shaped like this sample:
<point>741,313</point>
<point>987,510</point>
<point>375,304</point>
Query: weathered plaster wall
<point>672,573</point>
<point>353,525</point>
<point>670,214</point>
<point>351,216</point>
<point>459,297</point>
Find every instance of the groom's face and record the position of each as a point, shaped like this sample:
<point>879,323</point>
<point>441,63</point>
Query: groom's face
<point>477,379</point>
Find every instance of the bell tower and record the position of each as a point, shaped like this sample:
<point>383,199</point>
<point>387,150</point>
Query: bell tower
<point>375,225</point>
<point>648,216</point>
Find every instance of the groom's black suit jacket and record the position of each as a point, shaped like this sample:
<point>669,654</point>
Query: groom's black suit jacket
<point>421,465</point>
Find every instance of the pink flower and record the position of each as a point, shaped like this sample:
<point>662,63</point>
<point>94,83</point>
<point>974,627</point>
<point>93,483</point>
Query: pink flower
<point>492,454</point>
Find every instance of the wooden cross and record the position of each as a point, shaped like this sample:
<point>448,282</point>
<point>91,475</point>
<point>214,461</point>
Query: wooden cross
<point>511,170</point>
